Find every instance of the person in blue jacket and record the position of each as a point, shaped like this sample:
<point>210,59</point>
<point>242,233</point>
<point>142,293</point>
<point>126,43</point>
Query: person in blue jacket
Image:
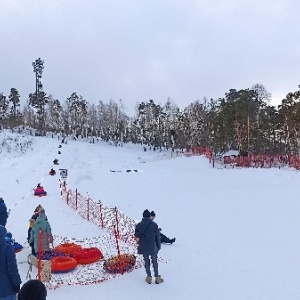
<point>42,224</point>
<point>3,213</point>
<point>148,238</point>
<point>10,279</point>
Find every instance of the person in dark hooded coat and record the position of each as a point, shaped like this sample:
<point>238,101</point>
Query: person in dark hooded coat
<point>10,279</point>
<point>3,213</point>
<point>148,238</point>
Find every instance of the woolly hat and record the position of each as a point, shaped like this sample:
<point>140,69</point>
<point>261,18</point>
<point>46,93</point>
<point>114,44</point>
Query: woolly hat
<point>1,199</point>
<point>33,290</point>
<point>38,208</point>
<point>152,214</point>
<point>42,212</point>
<point>2,232</point>
<point>146,214</point>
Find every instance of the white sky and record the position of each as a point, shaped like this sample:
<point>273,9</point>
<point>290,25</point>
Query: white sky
<point>138,50</point>
<point>237,230</point>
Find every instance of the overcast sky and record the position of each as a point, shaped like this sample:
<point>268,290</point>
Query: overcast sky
<point>136,50</point>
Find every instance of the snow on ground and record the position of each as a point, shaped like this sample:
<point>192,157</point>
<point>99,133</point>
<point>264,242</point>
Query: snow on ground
<point>236,229</point>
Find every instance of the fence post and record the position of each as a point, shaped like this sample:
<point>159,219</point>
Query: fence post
<point>101,216</point>
<point>60,187</point>
<point>120,261</point>
<point>88,207</point>
<point>117,221</point>
<point>76,199</point>
<point>39,256</point>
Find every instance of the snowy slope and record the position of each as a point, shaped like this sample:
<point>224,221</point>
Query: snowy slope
<point>236,229</point>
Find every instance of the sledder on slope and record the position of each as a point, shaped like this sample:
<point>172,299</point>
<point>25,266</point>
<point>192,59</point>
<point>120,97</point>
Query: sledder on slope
<point>39,191</point>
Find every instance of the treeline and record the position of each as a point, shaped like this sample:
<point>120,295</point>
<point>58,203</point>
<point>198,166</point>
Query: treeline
<point>242,119</point>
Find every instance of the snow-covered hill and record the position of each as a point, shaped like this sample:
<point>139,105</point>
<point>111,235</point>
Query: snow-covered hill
<point>236,229</point>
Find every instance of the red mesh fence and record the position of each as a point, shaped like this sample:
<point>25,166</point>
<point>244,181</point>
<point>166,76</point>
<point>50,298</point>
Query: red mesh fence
<point>100,214</point>
<point>200,150</point>
<point>117,239</point>
<point>263,161</point>
<point>254,161</point>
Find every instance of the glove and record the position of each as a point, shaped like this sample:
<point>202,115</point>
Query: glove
<point>17,289</point>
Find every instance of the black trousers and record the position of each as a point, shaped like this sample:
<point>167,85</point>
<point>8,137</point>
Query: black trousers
<point>164,239</point>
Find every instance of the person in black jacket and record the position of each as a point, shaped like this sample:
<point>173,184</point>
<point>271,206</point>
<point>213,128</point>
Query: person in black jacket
<point>164,239</point>
<point>148,238</point>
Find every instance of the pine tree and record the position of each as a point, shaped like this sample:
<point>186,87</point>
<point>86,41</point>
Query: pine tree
<point>14,100</point>
<point>4,105</point>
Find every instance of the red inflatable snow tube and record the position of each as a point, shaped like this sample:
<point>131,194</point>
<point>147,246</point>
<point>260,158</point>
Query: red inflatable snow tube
<point>52,173</point>
<point>87,255</point>
<point>119,265</point>
<point>63,264</point>
<point>68,248</point>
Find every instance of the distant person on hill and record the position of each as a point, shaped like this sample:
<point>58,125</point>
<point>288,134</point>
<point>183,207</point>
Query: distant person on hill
<point>147,235</point>
<point>39,187</point>
<point>33,290</point>
<point>52,172</point>
<point>3,213</point>
<point>10,279</point>
<point>39,190</point>
<point>42,224</point>
<point>164,239</point>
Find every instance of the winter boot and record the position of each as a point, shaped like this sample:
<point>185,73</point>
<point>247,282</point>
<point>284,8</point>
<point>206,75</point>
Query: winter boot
<point>148,279</point>
<point>173,240</point>
<point>158,280</point>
